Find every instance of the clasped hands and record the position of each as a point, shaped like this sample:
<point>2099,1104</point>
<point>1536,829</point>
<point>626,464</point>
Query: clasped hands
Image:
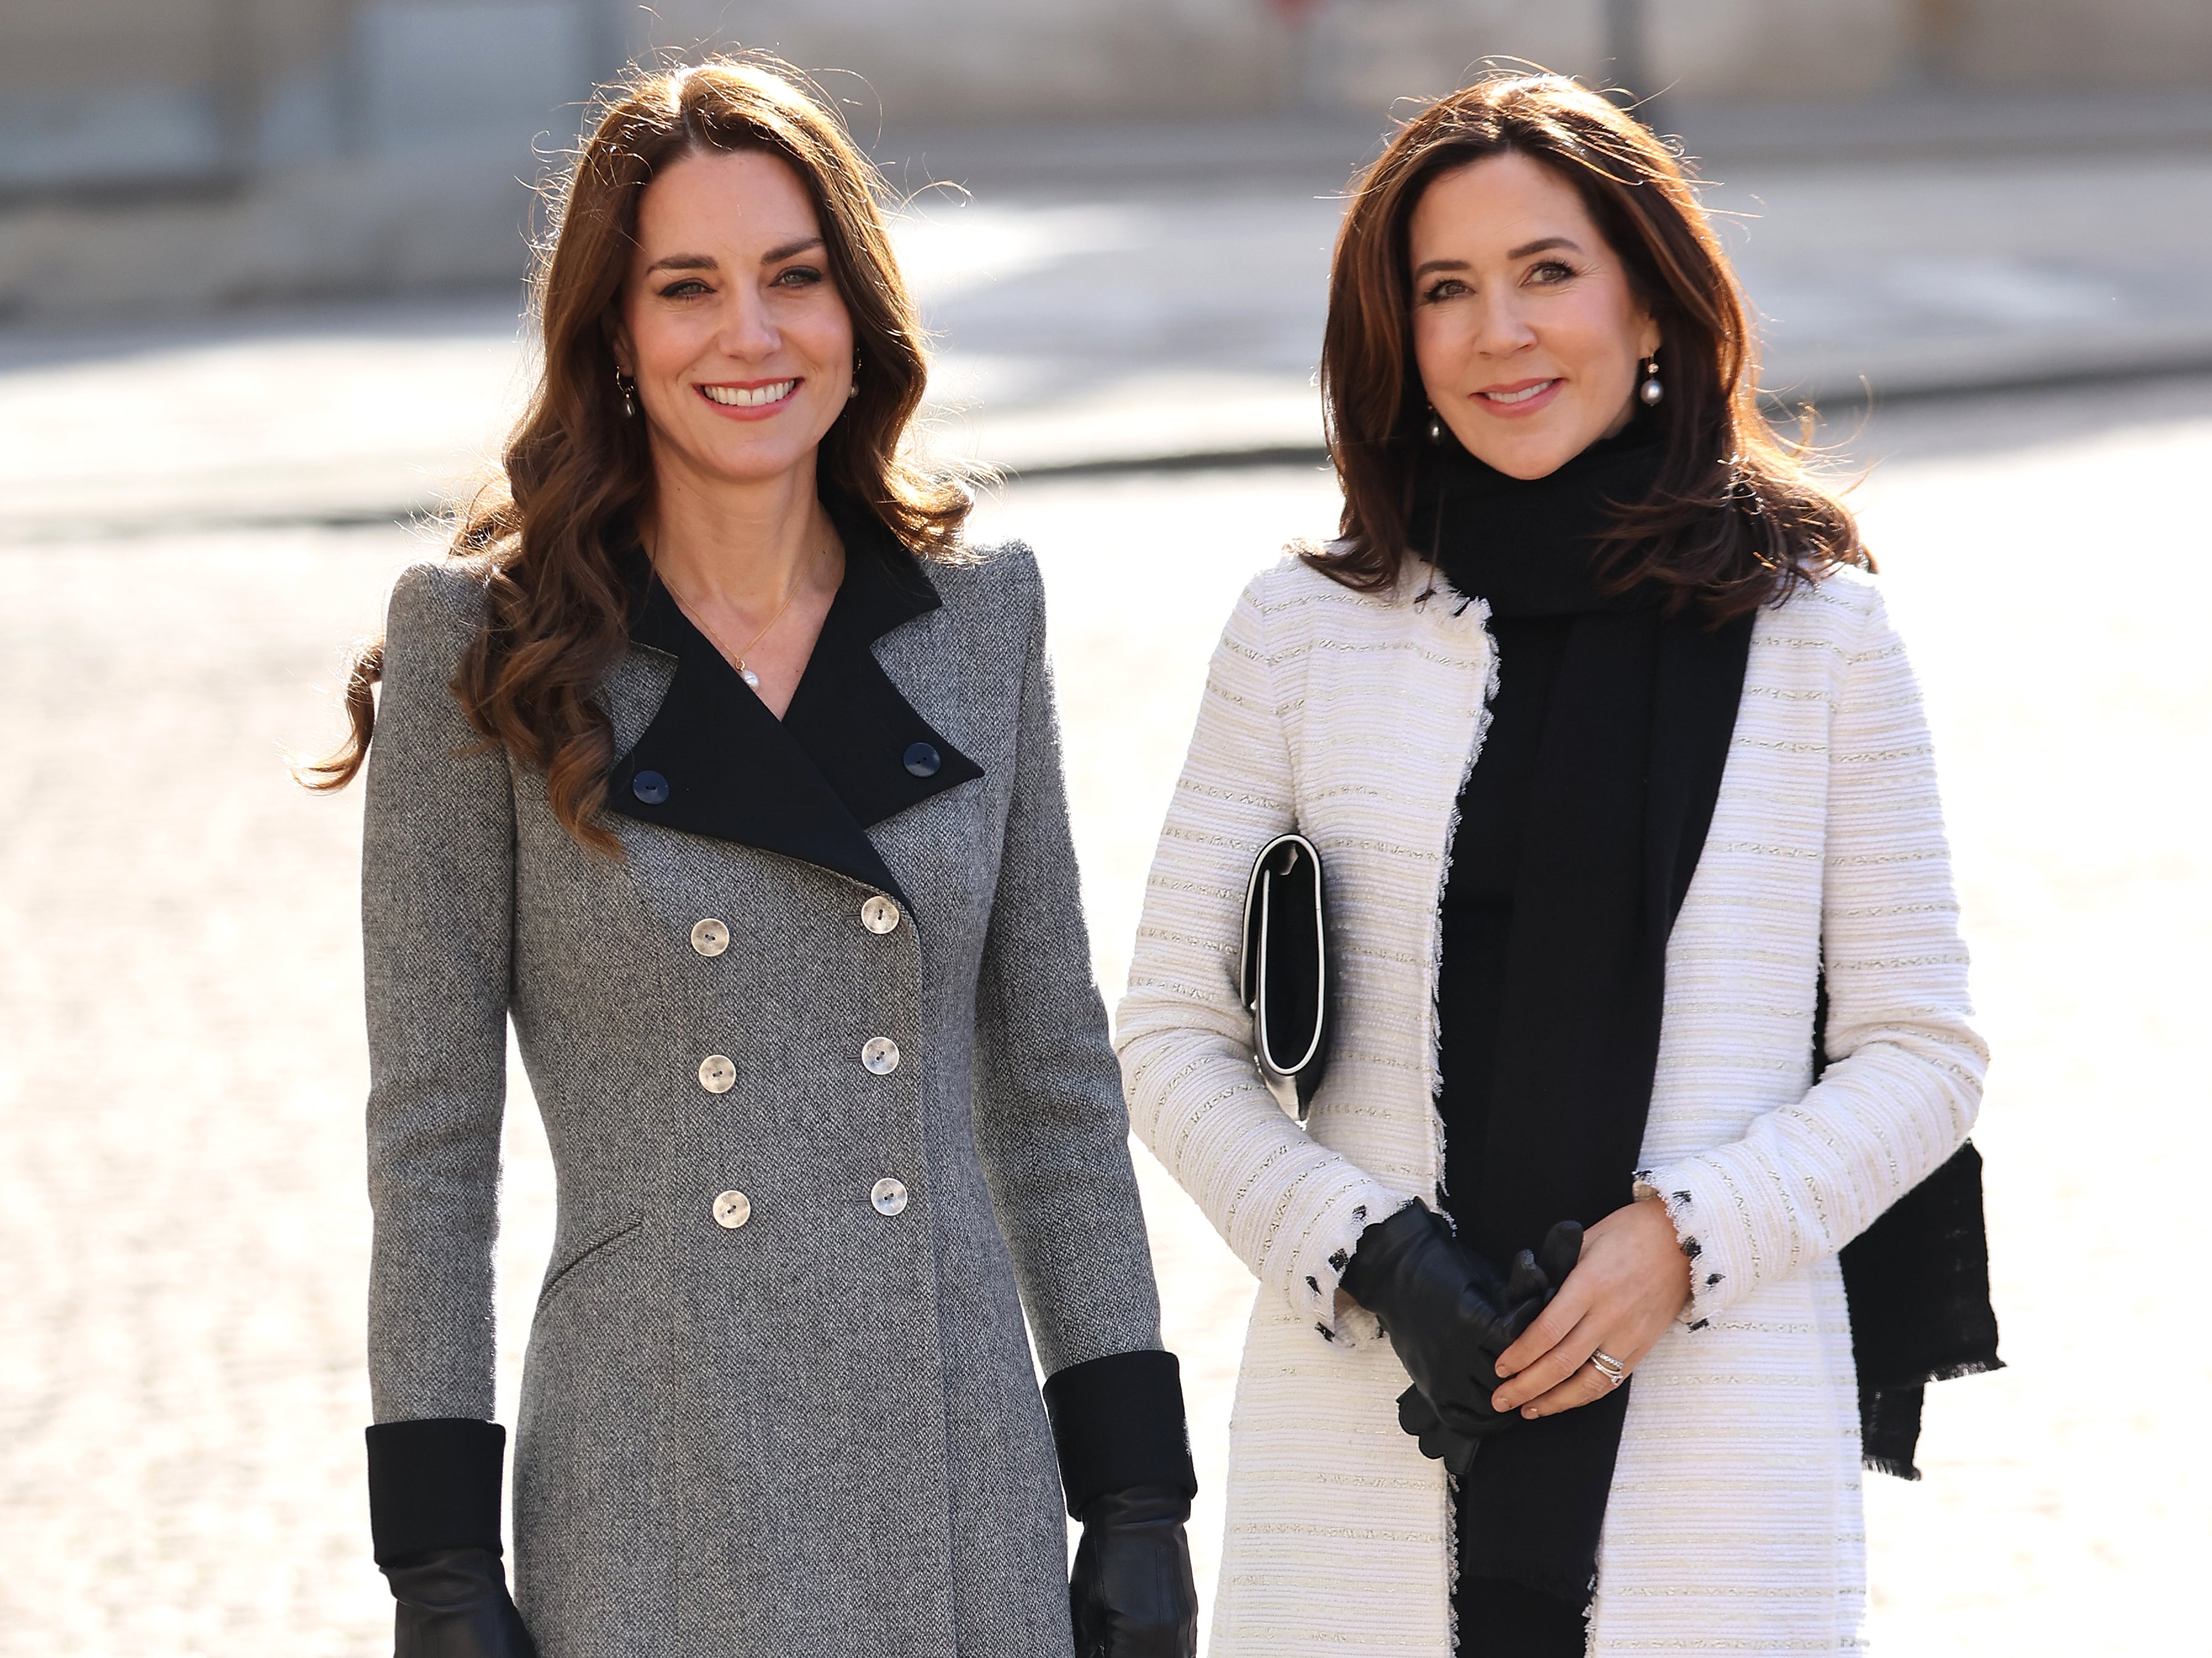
<point>1486,1350</point>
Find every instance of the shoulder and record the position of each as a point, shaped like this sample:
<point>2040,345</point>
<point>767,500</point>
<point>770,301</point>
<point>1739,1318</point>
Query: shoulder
<point>1296,607</point>
<point>992,585</point>
<point>436,599</point>
<point>1845,596</point>
<point>1834,614</point>
<point>1290,590</point>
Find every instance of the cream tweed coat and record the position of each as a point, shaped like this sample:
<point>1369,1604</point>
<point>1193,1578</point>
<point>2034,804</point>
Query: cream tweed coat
<point>1734,1520</point>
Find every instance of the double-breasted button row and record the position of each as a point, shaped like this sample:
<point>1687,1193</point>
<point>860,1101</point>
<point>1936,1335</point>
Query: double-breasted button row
<point>732,1209</point>
<point>710,936</point>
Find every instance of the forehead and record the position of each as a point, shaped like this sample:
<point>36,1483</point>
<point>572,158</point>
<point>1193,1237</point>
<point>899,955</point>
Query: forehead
<point>1497,203</point>
<point>733,200</point>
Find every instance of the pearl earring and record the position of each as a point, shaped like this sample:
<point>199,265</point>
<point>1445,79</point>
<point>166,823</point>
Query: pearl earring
<point>1652,391</point>
<point>1436,425</point>
<point>628,387</point>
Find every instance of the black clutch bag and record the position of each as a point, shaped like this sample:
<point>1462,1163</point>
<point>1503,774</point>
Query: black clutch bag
<point>1286,973</point>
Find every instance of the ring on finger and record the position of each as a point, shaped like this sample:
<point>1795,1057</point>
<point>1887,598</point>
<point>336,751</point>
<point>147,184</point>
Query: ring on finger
<point>1610,1368</point>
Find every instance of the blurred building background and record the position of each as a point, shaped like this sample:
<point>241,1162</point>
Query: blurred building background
<point>180,153</point>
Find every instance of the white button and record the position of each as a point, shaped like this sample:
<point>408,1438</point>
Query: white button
<point>889,1196</point>
<point>710,936</point>
<point>880,1054</point>
<point>732,1209</point>
<point>717,1075</point>
<point>879,916</point>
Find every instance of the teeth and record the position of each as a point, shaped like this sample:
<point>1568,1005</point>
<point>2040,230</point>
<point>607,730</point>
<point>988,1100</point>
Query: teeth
<point>1522,395</point>
<point>749,396</point>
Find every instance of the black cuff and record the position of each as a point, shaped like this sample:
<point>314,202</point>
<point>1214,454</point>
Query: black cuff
<point>1118,1422</point>
<point>433,1484</point>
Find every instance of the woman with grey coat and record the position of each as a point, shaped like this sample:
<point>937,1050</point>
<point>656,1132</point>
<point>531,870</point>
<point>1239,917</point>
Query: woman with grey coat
<point>719,764</point>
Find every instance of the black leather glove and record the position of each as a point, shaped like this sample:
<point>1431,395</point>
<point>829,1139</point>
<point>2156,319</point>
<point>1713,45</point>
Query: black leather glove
<point>1450,1313</point>
<point>1132,1595</point>
<point>454,1604</point>
<point>433,1512</point>
<point>1528,1290</point>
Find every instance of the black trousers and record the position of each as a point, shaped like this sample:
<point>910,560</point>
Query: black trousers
<point>1499,1618</point>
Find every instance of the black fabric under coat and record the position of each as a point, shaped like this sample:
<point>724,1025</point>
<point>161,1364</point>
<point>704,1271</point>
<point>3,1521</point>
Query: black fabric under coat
<point>1573,856</point>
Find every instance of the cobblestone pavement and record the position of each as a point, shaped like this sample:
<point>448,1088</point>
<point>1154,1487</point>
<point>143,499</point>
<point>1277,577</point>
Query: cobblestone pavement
<point>182,1223</point>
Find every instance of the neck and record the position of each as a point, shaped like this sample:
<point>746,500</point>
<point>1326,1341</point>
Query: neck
<point>744,544</point>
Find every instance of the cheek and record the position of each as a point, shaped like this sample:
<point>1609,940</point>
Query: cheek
<point>665,341</point>
<point>822,332</point>
<point>1441,339</point>
<point>1597,337</point>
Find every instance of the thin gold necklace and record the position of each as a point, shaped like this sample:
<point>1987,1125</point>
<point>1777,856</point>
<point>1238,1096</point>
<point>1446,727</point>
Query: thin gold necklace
<point>739,657</point>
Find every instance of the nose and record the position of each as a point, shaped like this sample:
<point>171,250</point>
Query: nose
<point>747,332</point>
<point>1502,329</point>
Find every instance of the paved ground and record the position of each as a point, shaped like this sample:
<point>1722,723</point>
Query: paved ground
<point>182,1222</point>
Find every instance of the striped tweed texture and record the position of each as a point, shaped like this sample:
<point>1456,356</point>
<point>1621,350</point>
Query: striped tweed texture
<point>1735,1518</point>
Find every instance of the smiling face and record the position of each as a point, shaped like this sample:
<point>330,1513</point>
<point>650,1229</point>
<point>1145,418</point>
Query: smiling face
<point>731,324</point>
<point>1526,330</point>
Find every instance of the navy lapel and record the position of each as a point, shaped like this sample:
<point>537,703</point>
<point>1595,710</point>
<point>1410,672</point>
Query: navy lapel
<point>850,751</point>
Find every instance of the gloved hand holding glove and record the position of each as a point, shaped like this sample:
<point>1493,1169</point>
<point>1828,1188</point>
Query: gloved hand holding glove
<point>1450,1313</point>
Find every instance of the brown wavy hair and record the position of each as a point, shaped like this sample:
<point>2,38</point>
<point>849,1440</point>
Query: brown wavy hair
<point>1733,522</point>
<point>579,473</point>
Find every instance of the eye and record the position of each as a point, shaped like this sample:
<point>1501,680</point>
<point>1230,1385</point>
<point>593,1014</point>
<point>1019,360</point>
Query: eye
<point>688,287</point>
<point>1447,287</point>
<point>799,275</point>
<point>1547,272</point>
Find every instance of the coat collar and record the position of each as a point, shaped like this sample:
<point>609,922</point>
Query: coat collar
<point>848,753</point>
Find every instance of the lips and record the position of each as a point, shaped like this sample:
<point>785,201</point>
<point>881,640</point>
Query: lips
<point>749,396</point>
<point>1518,395</point>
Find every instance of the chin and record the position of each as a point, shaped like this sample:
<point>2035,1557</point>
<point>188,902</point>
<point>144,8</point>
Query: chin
<point>1530,458</point>
<point>752,462</point>
<point>1524,449</point>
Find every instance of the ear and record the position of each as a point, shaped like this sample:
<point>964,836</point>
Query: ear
<point>616,333</point>
<point>1648,332</point>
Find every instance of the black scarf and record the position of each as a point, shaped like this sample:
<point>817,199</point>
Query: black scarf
<point>1628,767</point>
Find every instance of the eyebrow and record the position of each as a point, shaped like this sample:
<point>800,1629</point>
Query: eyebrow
<point>1542,244</point>
<point>708,261</point>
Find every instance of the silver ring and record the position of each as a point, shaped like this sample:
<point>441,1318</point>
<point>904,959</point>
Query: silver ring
<point>1610,1368</point>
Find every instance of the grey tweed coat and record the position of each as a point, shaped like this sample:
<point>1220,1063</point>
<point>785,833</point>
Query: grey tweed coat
<point>816,1433</point>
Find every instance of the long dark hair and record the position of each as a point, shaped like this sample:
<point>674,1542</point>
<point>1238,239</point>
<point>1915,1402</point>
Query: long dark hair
<point>1733,522</point>
<point>575,470</point>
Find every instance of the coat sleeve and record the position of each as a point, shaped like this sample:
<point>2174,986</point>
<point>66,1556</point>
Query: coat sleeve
<point>437,905</point>
<point>1291,1208</point>
<point>1051,1128</point>
<point>1904,1080</point>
